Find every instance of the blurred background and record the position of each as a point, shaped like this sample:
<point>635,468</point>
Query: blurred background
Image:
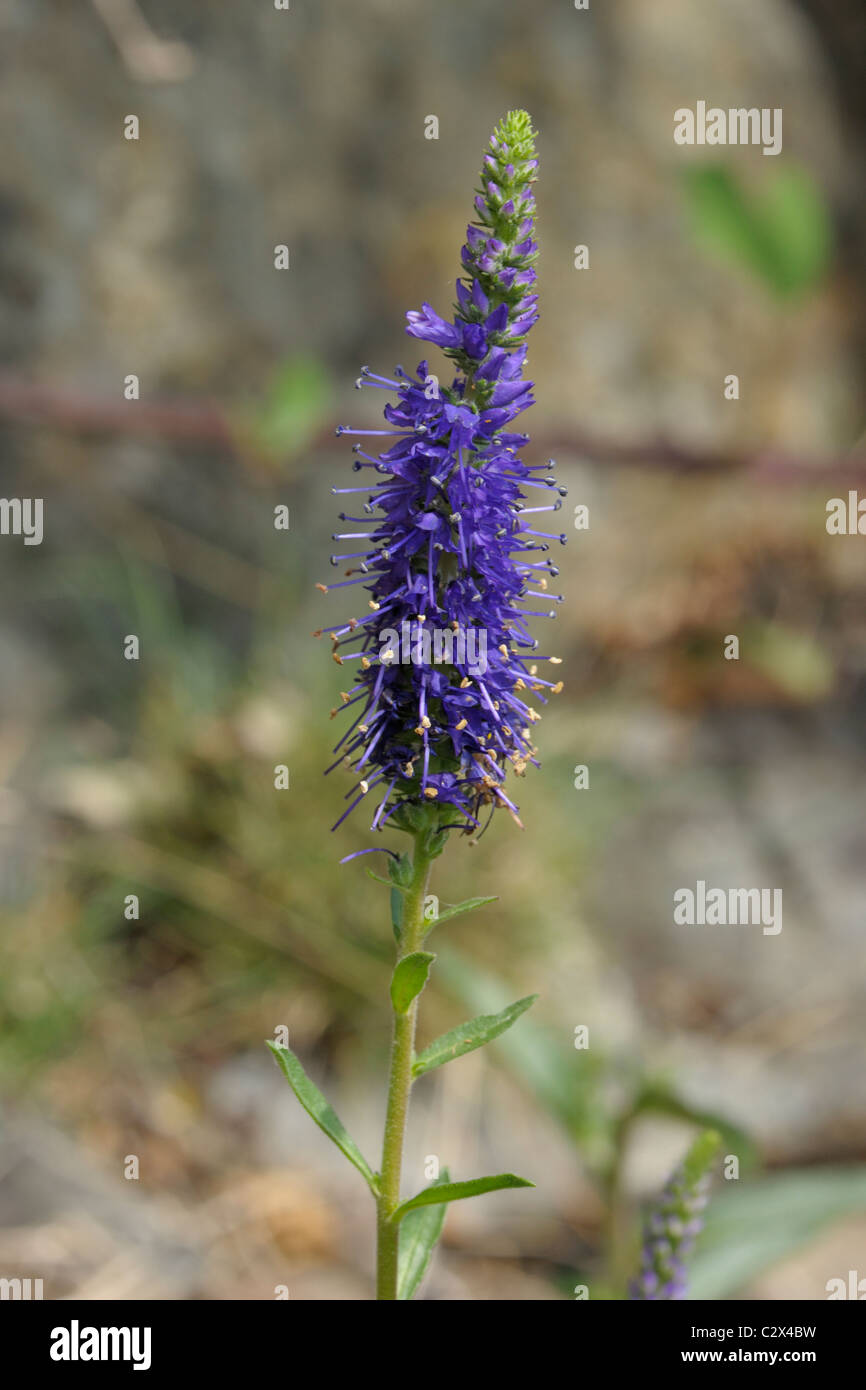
<point>142,1036</point>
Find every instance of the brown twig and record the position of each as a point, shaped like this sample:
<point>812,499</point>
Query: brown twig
<point>195,422</point>
<point>205,422</point>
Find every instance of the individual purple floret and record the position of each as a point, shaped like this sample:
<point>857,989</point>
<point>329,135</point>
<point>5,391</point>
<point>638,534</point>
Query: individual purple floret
<point>673,1224</point>
<point>450,561</point>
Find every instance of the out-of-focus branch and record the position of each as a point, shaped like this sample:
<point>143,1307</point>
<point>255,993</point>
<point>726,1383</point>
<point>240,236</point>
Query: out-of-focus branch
<point>770,465</point>
<point>181,421</point>
<point>205,422</point>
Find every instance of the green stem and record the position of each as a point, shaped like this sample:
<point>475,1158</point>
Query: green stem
<point>618,1244</point>
<point>400,1083</point>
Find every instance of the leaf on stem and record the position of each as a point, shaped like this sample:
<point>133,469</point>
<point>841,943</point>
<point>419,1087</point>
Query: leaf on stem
<point>400,876</point>
<point>325,1117</point>
<point>400,870</point>
<point>456,1191</point>
<point>468,906</point>
<point>409,978</point>
<point>467,1036</point>
<point>418,1236</point>
<point>377,878</point>
<point>656,1096</point>
<point>397,914</point>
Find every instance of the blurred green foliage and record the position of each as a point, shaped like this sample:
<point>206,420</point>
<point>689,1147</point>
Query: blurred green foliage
<point>781,233</point>
<point>796,661</point>
<point>292,409</point>
<point>753,1226</point>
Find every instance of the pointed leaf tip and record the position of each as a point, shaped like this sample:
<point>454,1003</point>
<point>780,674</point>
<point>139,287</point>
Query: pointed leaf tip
<point>466,1037</point>
<point>456,1191</point>
<point>319,1110</point>
<point>468,906</point>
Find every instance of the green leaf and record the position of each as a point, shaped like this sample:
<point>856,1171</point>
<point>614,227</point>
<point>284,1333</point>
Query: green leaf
<point>400,875</point>
<point>315,1105</point>
<point>468,906</point>
<point>456,1191</point>
<point>795,217</point>
<point>782,236</point>
<point>377,878</point>
<point>467,1036</point>
<point>409,978</point>
<point>394,882</point>
<point>400,871</point>
<point>657,1096</point>
<point>294,406</point>
<point>752,1226</point>
<point>418,1236</point>
<point>397,914</point>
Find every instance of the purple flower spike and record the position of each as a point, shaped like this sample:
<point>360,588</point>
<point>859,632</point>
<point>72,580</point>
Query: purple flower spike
<point>447,569</point>
<point>673,1223</point>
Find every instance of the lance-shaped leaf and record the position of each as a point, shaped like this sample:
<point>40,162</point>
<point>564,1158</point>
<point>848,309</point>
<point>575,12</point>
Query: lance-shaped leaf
<point>377,878</point>
<point>418,1236</point>
<point>409,978</point>
<point>397,914</point>
<point>325,1117</point>
<point>456,1191</point>
<point>468,906</point>
<point>400,874</point>
<point>467,1036</point>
